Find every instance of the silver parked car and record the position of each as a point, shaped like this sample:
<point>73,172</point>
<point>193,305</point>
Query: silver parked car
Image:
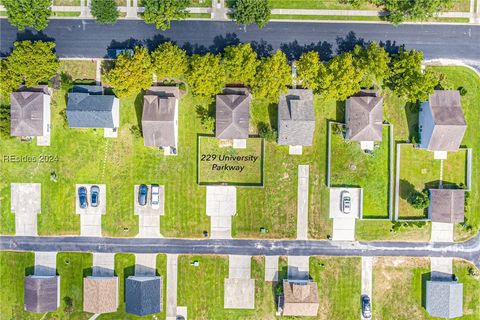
<point>155,202</point>
<point>345,202</point>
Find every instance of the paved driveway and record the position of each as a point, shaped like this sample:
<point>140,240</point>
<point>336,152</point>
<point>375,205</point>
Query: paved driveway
<point>103,264</point>
<point>147,209</point>
<point>221,206</point>
<point>45,263</point>
<point>271,268</point>
<point>298,267</point>
<point>102,204</point>
<point>367,266</point>
<point>442,232</point>
<point>239,288</point>
<point>302,202</point>
<point>26,204</point>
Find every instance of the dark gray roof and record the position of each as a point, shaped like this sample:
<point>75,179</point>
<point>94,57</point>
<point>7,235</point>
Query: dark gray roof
<point>143,295</point>
<point>296,118</point>
<point>447,205</point>
<point>232,115</point>
<point>88,108</point>
<point>444,299</point>
<point>449,121</point>
<point>41,293</point>
<point>158,121</point>
<point>163,91</point>
<point>26,113</point>
<point>364,116</point>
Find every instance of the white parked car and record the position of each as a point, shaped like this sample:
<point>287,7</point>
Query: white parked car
<point>345,202</point>
<point>155,201</point>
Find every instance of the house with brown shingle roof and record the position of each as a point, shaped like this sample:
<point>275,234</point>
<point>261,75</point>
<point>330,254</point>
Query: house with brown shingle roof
<point>442,123</point>
<point>300,298</point>
<point>364,117</point>
<point>100,294</point>
<point>232,115</point>
<point>447,205</point>
<point>160,118</point>
<point>30,112</point>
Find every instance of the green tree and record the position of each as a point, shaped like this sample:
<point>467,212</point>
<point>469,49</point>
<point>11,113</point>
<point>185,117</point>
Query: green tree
<point>33,62</point>
<point>416,10</point>
<point>169,61</point>
<point>241,64</point>
<point>131,74</point>
<point>273,76</point>
<point>407,79</point>
<point>308,67</point>
<point>28,13</point>
<point>105,11</point>
<point>340,79</point>
<point>252,11</point>
<point>373,61</point>
<point>418,200</point>
<point>9,81</point>
<point>206,75</point>
<point>162,12</point>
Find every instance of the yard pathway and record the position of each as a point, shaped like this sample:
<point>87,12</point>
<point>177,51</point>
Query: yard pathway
<point>302,202</point>
<point>271,268</point>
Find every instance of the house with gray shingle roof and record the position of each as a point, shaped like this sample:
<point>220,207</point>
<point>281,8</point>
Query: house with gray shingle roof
<point>364,117</point>
<point>232,114</point>
<point>300,298</point>
<point>42,293</point>
<point>30,112</point>
<point>444,299</point>
<point>88,107</point>
<point>442,124</point>
<point>143,295</point>
<point>447,205</point>
<point>296,119</point>
<point>160,118</point>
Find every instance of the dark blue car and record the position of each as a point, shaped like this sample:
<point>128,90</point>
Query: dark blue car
<point>82,197</point>
<point>94,194</point>
<point>142,195</point>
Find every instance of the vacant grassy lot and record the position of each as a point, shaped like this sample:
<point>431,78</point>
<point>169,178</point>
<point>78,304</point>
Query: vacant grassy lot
<point>339,286</point>
<point>369,230</point>
<point>79,70</point>
<point>201,289</point>
<point>316,4</point>
<point>220,163</point>
<point>352,167</point>
<point>402,280</point>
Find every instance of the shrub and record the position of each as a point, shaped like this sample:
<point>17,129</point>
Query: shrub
<point>105,11</point>
<point>266,132</point>
<point>463,91</point>
<point>4,121</point>
<point>136,131</point>
<point>418,200</point>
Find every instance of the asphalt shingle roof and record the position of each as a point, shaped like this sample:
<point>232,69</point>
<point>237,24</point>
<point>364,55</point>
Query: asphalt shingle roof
<point>26,113</point>
<point>444,299</point>
<point>100,294</point>
<point>158,121</point>
<point>143,295</point>
<point>232,115</point>
<point>447,205</point>
<point>88,109</point>
<point>41,293</point>
<point>296,118</point>
<point>300,298</point>
<point>448,119</point>
<point>364,116</point>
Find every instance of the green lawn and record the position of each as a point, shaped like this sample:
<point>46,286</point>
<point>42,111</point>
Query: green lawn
<point>324,17</point>
<point>79,70</point>
<point>220,163</point>
<point>402,280</point>
<point>199,15</point>
<point>339,286</point>
<point>66,2</point>
<point>316,4</point>
<point>352,167</point>
<point>201,3</point>
<point>66,14</point>
<point>369,230</point>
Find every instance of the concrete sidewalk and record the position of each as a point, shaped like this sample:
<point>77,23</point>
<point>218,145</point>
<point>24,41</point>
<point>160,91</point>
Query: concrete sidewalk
<point>302,202</point>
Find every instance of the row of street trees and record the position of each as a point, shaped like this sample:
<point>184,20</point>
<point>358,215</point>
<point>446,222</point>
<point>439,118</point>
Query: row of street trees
<point>368,66</point>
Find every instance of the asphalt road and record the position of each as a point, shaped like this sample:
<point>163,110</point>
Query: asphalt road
<point>469,250</point>
<point>85,38</point>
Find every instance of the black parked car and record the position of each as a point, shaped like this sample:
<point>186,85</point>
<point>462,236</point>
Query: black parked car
<point>366,307</point>
<point>82,197</point>
<point>142,195</point>
<point>94,196</point>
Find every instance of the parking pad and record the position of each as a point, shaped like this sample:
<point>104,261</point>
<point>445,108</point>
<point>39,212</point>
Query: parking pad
<point>271,268</point>
<point>239,288</point>
<point>298,267</point>
<point>343,229</point>
<point>344,224</point>
<point>45,263</point>
<point>147,209</point>
<point>26,204</point>
<point>221,206</point>
<point>442,232</point>
<point>149,226</point>
<point>102,204</point>
<point>103,264</point>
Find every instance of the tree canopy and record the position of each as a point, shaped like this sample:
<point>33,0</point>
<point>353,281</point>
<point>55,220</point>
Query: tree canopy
<point>308,67</point>
<point>28,13</point>
<point>339,78</point>
<point>252,11</point>
<point>407,79</point>
<point>373,62</point>
<point>105,11</point>
<point>130,74</point>
<point>30,63</point>
<point>206,75</point>
<point>162,12</point>
<point>273,76</point>
<point>169,61</point>
<point>241,64</point>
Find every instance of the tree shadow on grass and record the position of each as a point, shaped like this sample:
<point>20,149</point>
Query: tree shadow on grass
<point>139,109</point>
<point>412,113</point>
<point>406,188</point>
<point>340,111</point>
<point>273,115</point>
